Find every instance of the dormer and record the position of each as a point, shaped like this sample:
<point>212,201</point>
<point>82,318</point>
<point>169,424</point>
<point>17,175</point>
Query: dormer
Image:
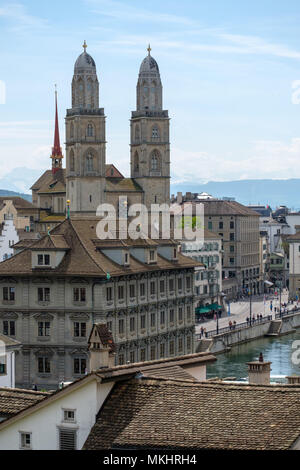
<point>119,255</point>
<point>48,252</point>
<point>145,254</point>
<point>168,251</point>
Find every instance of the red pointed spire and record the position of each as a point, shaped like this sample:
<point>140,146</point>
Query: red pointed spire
<point>56,149</point>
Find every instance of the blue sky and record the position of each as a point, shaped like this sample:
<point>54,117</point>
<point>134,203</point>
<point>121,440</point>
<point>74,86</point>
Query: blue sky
<point>227,69</point>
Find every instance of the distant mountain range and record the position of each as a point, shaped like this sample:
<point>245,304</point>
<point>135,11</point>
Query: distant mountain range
<point>267,191</point>
<point>4,193</point>
<point>271,192</point>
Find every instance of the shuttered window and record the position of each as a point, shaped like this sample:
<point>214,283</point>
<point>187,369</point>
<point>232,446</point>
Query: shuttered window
<point>67,439</point>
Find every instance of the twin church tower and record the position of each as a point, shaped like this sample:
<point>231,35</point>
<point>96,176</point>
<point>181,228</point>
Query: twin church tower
<point>87,183</point>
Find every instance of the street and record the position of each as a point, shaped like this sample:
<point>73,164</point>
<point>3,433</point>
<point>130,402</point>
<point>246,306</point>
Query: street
<point>239,311</point>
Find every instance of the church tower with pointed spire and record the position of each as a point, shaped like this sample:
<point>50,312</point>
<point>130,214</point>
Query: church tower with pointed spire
<point>150,140</point>
<point>85,141</point>
<point>56,155</point>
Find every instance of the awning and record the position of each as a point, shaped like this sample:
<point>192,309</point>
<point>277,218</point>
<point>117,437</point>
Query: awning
<point>208,309</point>
<point>269,283</point>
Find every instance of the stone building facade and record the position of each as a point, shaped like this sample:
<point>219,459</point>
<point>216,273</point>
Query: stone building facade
<point>52,293</point>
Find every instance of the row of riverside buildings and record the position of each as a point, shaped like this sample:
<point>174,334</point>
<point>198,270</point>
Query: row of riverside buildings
<point>63,279</point>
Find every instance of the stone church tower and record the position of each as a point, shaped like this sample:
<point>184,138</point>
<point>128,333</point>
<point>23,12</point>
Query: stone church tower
<point>85,141</point>
<point>150,142</point>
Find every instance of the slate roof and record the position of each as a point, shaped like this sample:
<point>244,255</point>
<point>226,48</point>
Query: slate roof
<point>83,259</point>
<point>160,414</point>
<point>219,207</point>
<point>14,400</point>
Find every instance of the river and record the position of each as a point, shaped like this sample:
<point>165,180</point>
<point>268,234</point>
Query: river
<point>277,350</point>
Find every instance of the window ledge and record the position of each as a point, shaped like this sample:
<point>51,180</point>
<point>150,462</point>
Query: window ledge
<point>43,303</point>
<point>79,304</point>
<point>43,338</point>
<point>8,302</point>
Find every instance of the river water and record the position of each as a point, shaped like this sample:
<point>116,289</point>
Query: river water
<point>277,350</point>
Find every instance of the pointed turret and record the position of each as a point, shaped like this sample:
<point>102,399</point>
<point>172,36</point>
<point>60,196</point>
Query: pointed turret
<point>57,155</point>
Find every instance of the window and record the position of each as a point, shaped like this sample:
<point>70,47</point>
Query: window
<point>172,348</point>
<point>180,345</point>
<point>188,343</point>
<point>44,328</point>
<point>152,255</point>
<point>180,284</point>
<point>2,368</point>
<point>188,282</point>
<point>25,440</point>
<point>152,287</point>
<point>44,294</point>
<point>90,130</point>
<point>67,439</point>
<point>132,324</point>
<point>155,161</point>
<point>231,225</point>
<point>79,365</point>
<point>143,322</point>
<point>72,161</point>
<point>43,260</point>
<point>69,416</point>
<point>188,312</point>
<point>162,350</point>
<point>108,294</point>
<point>132,290</point>
<point>231,260</point>
<point>171,285</point>
<point>231,248</point>
<point>152,353</point>
<point>155,133</point>
<point>209,225</point>
<point>132,356</point>
<point>9,328</point>
<point>121,326</point>
<point>9,294</point>
<point>162,286</point>
<point>126,258</point>
<point>121,359</point>
<point>221,225</point>
<point>121,292</point>
<point>152,320</point>
<point>172,316</point>
<point>143,354</point>
<point>109,325</point>
<point>89,163</point>
<point>79,329</point>
<point>43,365</point>
<point>232,237</point>
<point>162,317</point>
<point>180,314</point>
<point>142,289</point>
<point>79,294</point>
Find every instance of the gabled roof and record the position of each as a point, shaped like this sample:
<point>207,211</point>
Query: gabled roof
<point>17,201</point>
<point>112,172</point>
<point>14,400</point>
<point>104,335</point>
<point>47,178</point>
<point>160,414</point>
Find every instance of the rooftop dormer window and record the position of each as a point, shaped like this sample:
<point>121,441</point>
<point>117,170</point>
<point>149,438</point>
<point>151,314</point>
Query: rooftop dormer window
<point>44,260</point>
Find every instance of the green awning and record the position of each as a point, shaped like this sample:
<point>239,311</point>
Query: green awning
<point>207,309</point>
<point>215,307</point>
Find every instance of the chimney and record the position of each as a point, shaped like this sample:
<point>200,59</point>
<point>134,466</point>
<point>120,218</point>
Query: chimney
<point>293,380</point>
<point>101,347</point>
<point>259,372</point>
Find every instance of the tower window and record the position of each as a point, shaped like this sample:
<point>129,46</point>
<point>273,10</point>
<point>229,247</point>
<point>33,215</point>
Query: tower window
<point>90,130</point>
<point>155,133</point>
<point>89,163</point>
<point>72,161</point>
<point>155,161</point>
<point>137,133</point>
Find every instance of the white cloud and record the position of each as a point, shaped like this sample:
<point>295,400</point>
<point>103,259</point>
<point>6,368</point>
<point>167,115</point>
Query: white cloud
<point>266,159</point>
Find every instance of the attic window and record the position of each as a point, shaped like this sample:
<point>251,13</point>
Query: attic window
<point>152,255</point>
<point>126,258</point>
<point>175,253</point>
<point>51,186</point>
<point>43,260</point>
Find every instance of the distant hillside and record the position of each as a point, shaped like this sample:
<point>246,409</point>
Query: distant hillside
<point>4,192</point>
<point>272,192</point>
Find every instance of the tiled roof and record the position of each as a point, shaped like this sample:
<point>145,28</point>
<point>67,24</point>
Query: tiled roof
<point>47,178</point>
<point>124,184</point>
<point>18,202</point>
<point>155,414</point>
<point>14,400</point>
<point>83,258</point>
<point>105,335</point>
<point>112,172</point>
<point>218,207</point>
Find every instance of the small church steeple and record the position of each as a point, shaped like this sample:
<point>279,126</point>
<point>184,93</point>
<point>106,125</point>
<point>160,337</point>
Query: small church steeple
<point>57,155</point>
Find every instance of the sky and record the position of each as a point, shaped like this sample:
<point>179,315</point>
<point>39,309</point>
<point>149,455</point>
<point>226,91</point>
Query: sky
<point>228,70</point>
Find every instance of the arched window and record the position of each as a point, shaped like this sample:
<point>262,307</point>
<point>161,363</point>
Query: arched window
<point>155,133</point>
<point>155,161</point>
<point>136,162</point>
<point>90,130</point>
<point>137,133</point>
<point>72,161</point>
<point>89,162</point>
